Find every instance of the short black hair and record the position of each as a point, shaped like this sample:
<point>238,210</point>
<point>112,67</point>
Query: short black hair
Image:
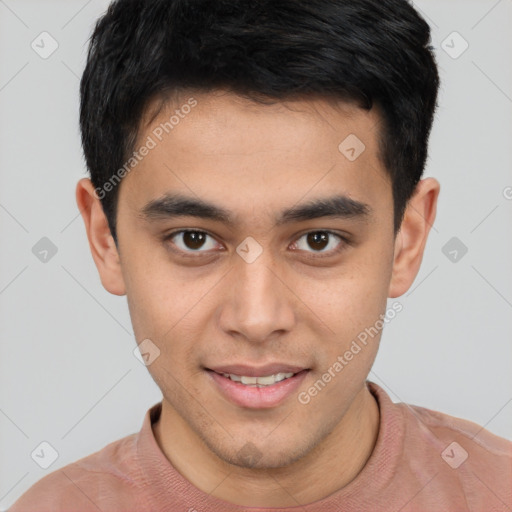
<point>372,52</point>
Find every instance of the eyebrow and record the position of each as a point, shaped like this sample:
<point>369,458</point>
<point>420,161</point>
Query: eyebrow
<point>178,205</point>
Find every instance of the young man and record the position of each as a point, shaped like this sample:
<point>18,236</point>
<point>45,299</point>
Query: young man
<point>256,193</point>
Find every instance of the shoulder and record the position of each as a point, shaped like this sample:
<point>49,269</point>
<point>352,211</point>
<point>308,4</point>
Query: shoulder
<point>422,429</point>
<point>479,441</point>
<point>440,461</point>
<point>87,484</point>
<point>469,456</point>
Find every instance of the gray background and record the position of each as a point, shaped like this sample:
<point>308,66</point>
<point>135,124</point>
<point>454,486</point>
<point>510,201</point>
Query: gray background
<point>68,375</point>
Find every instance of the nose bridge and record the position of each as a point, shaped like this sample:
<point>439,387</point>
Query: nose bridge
<point>258,304</point>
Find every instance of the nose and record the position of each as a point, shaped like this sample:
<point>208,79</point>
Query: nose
<point>258,305</point>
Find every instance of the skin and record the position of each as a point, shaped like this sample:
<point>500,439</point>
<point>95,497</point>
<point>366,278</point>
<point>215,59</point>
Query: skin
<point>213,308</point>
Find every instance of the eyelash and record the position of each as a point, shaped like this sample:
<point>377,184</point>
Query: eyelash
<point>344,241</point>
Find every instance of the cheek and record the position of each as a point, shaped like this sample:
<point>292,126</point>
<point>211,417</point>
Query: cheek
<point>161,296</point>
<point>353,296</point>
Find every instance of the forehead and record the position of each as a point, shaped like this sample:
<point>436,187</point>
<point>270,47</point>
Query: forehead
<point>256,156</point>
<point>219,112</point>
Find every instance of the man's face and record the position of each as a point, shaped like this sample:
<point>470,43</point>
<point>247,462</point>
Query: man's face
<point>290,299</point>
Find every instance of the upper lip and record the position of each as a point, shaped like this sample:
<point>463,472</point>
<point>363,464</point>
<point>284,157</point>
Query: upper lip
<point>257,371</point>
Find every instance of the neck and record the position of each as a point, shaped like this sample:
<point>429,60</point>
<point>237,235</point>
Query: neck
<point>333,464</point>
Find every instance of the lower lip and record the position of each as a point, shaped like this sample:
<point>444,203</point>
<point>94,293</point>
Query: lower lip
<point>254,397</point>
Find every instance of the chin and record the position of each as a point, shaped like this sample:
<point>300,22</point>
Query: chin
<point>261,455</point>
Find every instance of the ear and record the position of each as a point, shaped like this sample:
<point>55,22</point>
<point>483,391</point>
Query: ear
<point>410,242</point>
<point>101,242</point>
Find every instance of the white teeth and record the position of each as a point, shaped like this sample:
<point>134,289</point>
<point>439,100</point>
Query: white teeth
<point>264,381</point>
<point>249,380</point>
<point>267,380</point>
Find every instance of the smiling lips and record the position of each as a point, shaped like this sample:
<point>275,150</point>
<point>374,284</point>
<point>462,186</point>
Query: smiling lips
<point>257,388</point>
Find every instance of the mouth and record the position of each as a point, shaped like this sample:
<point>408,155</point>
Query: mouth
<point>257,388</point>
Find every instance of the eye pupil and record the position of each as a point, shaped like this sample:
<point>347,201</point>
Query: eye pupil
<point>318,238</point>
<point>193,239</point>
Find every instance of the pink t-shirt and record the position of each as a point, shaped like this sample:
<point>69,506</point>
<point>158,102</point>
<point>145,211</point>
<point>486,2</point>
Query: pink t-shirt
<point>423,461</point>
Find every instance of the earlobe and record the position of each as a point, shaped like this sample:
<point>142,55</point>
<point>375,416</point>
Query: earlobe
<point>410,242</point>
<point>101,242</point>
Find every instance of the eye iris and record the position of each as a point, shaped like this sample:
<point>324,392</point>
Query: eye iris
<point>319,238</point>
<point>193,239</point>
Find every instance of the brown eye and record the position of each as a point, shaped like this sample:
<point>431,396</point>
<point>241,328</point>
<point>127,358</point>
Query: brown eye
<point>189,241</point>
<point>322,242</point>
<point>194,239</point>
<point>318,240</point>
